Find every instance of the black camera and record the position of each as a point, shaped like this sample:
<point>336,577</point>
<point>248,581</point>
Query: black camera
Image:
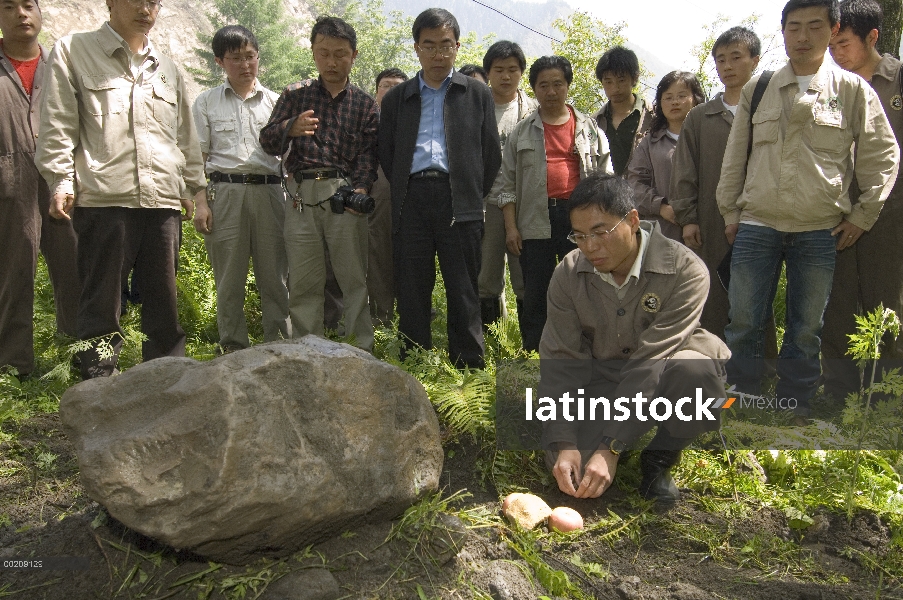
<point>346,197</point>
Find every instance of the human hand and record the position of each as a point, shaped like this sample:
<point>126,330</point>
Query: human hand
<point>667,213</point>
<point>692,236</point>
<point>188,206</point>
<point>567,471</point>
<point>847,234</point>
<point>513,241</point>
<point>730,232</point>
<point>203,216</point>
<point>61,205</point>
<point>598,475</point>
<point>305,124</point>
<point>354,212</point>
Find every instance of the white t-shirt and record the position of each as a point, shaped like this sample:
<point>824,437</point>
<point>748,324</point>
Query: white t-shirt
<point>730,107</point>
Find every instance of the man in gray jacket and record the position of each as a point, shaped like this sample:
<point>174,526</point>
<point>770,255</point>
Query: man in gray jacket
<point>26,226</point>
<point>623,322</point>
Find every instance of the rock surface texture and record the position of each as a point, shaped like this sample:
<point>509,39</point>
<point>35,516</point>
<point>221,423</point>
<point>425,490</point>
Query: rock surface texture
<point>259,452</point>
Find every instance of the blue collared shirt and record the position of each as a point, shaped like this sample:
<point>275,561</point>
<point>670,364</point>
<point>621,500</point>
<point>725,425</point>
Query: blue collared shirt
<point>430,152</point>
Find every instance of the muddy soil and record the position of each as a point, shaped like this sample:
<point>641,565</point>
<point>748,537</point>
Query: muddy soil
<point>689,553</point>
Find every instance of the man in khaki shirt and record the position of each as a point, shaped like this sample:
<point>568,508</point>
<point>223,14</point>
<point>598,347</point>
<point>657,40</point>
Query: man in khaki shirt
<point>788,201</point>
<point>246,212</point>
<point>865,276</point>
<point>623,320</point>
<point>119,150</point>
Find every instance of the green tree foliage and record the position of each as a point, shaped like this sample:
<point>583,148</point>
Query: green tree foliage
<point>473,49</point>
<point>282,56</point>
<point>585,40</point>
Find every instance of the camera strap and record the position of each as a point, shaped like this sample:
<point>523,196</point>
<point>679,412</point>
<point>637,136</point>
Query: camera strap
<point>297,200</point>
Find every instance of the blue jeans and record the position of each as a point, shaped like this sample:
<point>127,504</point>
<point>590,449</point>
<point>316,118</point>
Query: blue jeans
<point>755,271</point>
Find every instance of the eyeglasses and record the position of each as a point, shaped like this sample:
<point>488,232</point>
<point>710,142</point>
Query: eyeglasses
<point>151,5</point>
<point>432,51</point>
<point>240,60</point>
<point>582,238</point>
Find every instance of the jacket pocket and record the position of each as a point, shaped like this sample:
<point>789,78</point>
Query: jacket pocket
<point>165,104</point>
<point>766,124</point>
<point>829,134</point>
<point>224,136</point>
<point>107,94</point>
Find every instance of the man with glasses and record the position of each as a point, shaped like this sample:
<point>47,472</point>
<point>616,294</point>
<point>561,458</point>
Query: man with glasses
<point>631,297</point>
<point>439,148</point>
<point>120,153</point>
<point>246,211</point>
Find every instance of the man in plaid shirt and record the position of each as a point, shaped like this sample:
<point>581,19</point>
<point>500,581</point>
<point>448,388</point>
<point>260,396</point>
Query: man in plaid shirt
<point>329,128</point>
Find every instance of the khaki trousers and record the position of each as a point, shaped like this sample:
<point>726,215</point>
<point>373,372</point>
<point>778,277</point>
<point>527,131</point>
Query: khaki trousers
<point>247,225</point>
<point>308,233</point>
<point>491,280</point>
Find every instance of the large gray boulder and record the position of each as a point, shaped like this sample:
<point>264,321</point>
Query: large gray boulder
<point>259,452</point>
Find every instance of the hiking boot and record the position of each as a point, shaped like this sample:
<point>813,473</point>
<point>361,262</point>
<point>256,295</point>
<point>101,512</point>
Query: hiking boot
<point>657,483</point>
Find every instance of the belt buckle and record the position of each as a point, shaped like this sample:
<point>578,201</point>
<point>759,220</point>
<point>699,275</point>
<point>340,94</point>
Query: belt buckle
<point>319,175</point>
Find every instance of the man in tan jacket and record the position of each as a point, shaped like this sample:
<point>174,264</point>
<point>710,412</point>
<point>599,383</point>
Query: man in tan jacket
<point>623,321</point>
<point>120,152</point>
<point>787,201</point>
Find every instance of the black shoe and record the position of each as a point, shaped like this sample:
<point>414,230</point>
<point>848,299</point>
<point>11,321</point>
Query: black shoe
<point>490,311</point>
<point>657,483</point>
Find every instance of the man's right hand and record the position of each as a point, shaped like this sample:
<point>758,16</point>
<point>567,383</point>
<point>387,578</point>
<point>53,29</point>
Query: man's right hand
<point>595,478</point>
<point>513,241</point>
<point>692,236</point>
<point>730,232</point>
<point>305,124</point>
<point>203,216</point>
<point>61,205</point>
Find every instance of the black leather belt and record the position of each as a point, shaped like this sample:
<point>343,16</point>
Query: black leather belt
<point>429,174</point>
<point>318,174</point>
<point>557,201</point>
<point>217,177</point>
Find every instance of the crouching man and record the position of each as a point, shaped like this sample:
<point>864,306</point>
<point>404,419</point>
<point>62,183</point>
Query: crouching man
<point>623,321</point>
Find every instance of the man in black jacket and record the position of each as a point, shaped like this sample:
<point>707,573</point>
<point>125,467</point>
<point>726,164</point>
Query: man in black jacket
<point>439,148</point>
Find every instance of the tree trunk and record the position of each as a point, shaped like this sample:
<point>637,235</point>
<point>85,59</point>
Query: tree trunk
<point>891,27</point>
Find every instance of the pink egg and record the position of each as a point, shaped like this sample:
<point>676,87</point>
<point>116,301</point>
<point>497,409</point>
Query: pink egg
<point>565,519</point>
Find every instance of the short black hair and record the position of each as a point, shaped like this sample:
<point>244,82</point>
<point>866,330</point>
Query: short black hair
<point>232,38</point>
<point>609,193</point>
<point>659,120</point>
<point>501,50</point>
<point>551,62</point>
<point>393,73</point>
<point>739,35</point>
<point>471,70</point>
<point>831,5</point>
<point>861,16</point>
<point>620,61</point>
<point>435,18</point>
<point>334,27</point>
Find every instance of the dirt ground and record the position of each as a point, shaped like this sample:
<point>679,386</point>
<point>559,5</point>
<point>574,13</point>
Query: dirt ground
<point>701,549</point>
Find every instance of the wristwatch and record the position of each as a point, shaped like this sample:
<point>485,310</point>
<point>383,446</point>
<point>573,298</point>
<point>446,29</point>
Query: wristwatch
<point>614,446</point>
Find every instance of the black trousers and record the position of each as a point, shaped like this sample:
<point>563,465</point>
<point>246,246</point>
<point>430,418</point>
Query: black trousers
<point>538,259</point>
<point>425,232</point>
<point>110,238</point>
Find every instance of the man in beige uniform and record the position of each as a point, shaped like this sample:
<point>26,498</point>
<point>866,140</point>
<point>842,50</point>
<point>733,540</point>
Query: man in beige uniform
<point>868,273</point>
<point>120,152</point>
<point>247,206</point>
<point>631,297</point>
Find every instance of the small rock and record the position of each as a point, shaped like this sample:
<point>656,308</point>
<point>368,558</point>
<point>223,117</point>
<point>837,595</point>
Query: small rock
<point>527,510</point>
<point>687,591</point>
<point>508,582</point>
<point>448,538</point>
<point>304,584</point>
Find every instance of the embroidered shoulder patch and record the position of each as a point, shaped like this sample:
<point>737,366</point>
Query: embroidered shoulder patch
<point>896,102</point>
<point>651,303</point>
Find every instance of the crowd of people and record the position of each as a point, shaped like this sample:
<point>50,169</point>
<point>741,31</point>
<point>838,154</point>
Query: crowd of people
<point>639,232</point>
